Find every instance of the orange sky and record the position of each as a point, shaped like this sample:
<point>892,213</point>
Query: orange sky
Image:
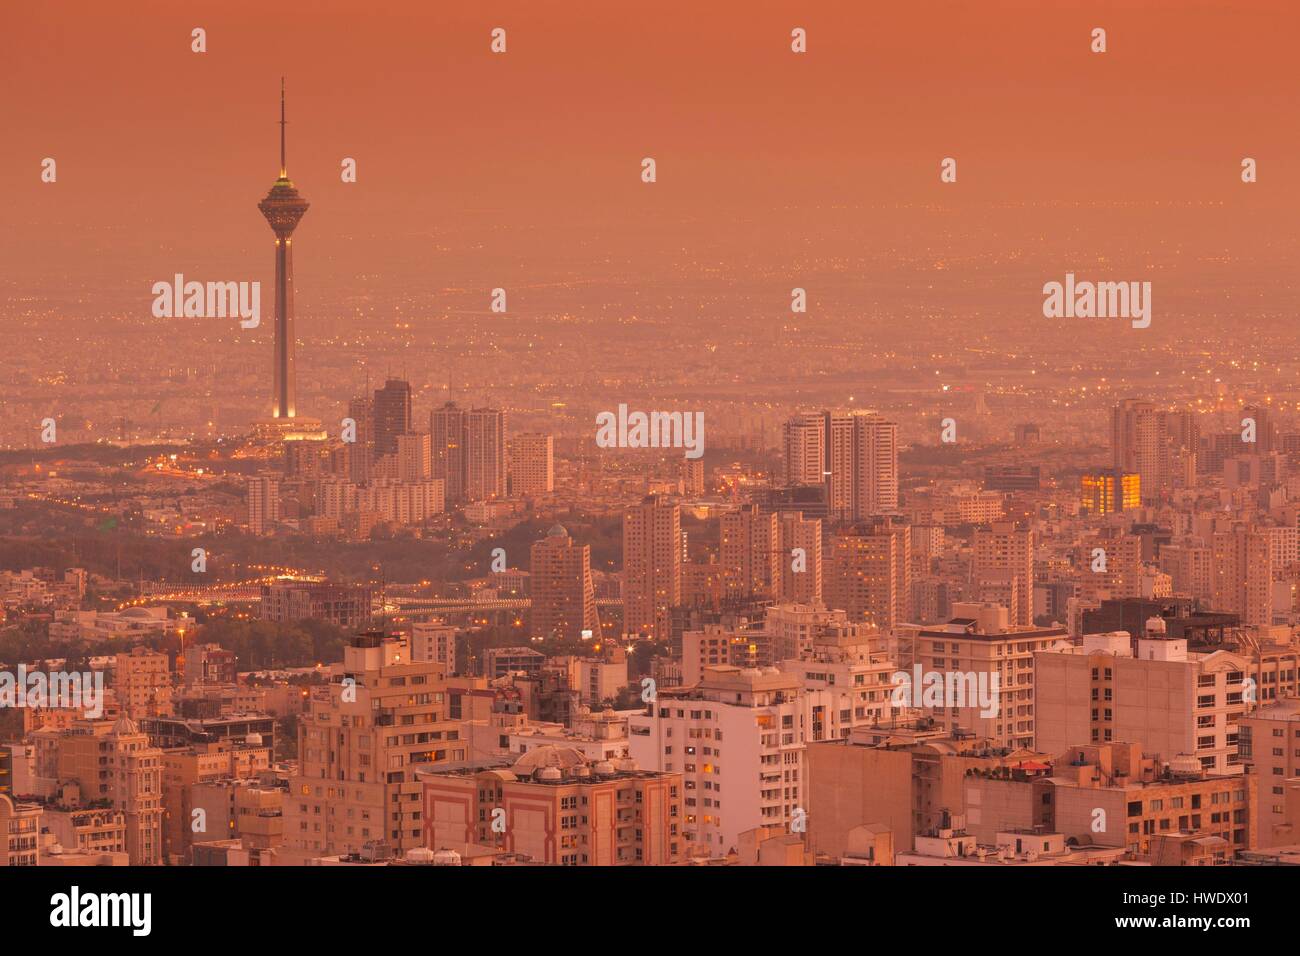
<point>164,153</point>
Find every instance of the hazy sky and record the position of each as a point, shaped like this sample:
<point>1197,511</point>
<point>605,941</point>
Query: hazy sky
<point>474,164</point>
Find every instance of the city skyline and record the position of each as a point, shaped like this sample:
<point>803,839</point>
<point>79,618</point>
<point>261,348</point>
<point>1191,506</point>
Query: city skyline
<point>699,439</point>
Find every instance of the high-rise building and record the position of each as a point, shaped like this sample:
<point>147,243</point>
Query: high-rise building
<point>1123,573</point>
<point>485,454</point>
<point>532,464</point>
<point>1265,429</point>
<point>392,415</point>
<point>413,456</point>
<point>362,412</point>
<point>692,476</point>
<point>447,429</point>
<point>1105,492</point>
<point>564,596</point>
<point>283,208</point>
<point>1006,552</point>
<point>869,576</point>
<point>652,566</point>
<point>800,559</point>
<point>263,503</point>
<point>1243,574</point>
<point>1190,566</point>
<point>839,466</point>
<point>875,466</point>
<point>750,552</point>
<point>1140,444</point>
<point>304,457</point>
<point>853,455</point>
<point>805,449</point>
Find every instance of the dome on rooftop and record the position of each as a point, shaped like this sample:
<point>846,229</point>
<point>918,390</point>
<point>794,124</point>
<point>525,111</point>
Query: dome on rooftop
<point>125,726</point>
<point>549,755</point>
<point>557,531</point>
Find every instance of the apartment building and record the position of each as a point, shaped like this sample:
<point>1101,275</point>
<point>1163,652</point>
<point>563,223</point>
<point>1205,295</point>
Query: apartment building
<point>737,738</point>
<point>1150,690</point>
<point>981,645</point>
<point>555,805</point>
<point>361,739</point>
<point>111,762</point>
<point>1114,796</point>
<point>1270,747</point>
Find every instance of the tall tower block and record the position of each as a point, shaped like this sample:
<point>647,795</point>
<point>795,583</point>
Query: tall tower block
<point>283,207</point>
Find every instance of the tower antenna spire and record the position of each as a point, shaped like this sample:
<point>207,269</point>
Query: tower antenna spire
<point>284,168</point>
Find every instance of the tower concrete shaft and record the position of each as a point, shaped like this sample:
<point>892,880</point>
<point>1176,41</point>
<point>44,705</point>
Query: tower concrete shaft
<point>283,208</point>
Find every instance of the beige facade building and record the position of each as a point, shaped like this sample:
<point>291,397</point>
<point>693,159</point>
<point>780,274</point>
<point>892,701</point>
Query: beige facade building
<point>793,629</point>
<point>556,806</point>
<point>142,681</point>
<point>1005,553</point>
<point>1112,795</point>
<point>20,832</point>
<point>485,454</point>
<point>563,591</point>
<point>980,645</point>
<point>714,644</point>
<point>1270,746</point>
<point>869,573</point>
<point>184,771</point>
<point>800,559</point>
<point>652,567</point>
<point>414,457</point>
<point>432,642</point>
<point>89,830</point>
<point>1243,575</point>
<point>532,465</point>
<point>1150,691</point>
<point>805,449</point>
<point>110,761</point>
<point>737,738</point>
<point>750,552</point>
<point>241,809</point>
<point>906,780</point>
<point>846,681</point>
<point>361,739</point>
